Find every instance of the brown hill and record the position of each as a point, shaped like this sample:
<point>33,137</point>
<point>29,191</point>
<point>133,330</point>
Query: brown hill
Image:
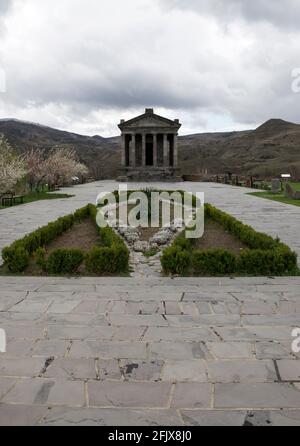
<point>271,149</point>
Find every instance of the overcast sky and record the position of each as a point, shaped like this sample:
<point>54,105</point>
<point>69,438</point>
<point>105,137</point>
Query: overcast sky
<point>82,65</point>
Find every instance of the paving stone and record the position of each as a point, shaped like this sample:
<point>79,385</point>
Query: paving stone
<point>271,350</point>
<point>50,348</point>
<point>289,308</point>
<point>175,371</point>
<point>273,418</point>
<point>216,320</point>
<point>257,396</point>
<point>46,392</point>
<point>10,299</point>
<point>231,371</point>
<point>118,307</point>
<point>290,320</point>
<point>231,350</point>
<point>129,333</point>
<point>190,309</point>
<point>28,306</point>
<point>259,308</point>
<point>111,417</point>
<point>89,307</point>
<point>192,396</point>
<point>128,394</point>
<point>234,308</point>
<point>171,308</point>
<point>141,370</point>
<point>108,350</point>
<point>109,369</point>
<point>289,370</point>
<point>219,307</point>
<point>205,297</point>
<point>80,333</point>
<point>22,318</point>
<point>71,368</point>
<point>179,334</point>
<point>175,350</point>
<point>77,319</point>
<point>254,333</point>
<point>19,348</point>
<point>13,415</point>
<point>63,307</point>
<point>5,385</point>
<point>21,367</point>
<point>22,331</point>
<point>203,307</point>
<point>137,321</point>
<point>220,418</point>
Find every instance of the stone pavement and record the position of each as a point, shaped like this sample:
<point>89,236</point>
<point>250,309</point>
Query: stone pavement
<point>150,350</point>
<point>276,219</point>
<point>157,351</point>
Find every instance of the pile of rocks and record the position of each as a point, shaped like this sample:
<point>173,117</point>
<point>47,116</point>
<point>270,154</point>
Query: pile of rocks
<point>161,239</point>
<point>131,235</point>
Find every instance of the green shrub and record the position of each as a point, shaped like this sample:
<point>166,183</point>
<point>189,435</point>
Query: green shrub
<point>16,258</point>
<point>113,259</point>
<point>269,262</point>
<point>40,258</point>
<point>83,213</point>
<point>214,261</point>
<point>175,260</point>
<point>64,261</point>
<point>182,242</point>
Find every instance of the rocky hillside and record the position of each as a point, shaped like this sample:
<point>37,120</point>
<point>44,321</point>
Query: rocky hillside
<point>271,149</point>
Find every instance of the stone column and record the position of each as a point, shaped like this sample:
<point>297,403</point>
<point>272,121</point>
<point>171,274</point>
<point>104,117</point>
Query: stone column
<point>166,151</point>
<point>123,150</point>
<point>154,150</point>
<point>133,150</point>
<point>143,150</point>
<point>175,150</point>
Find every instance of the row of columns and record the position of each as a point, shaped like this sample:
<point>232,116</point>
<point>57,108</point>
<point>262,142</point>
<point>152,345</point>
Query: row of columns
<point>166,149</point>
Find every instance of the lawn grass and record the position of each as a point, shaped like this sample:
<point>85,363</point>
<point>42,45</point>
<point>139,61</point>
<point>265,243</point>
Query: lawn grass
<point>278,197</point>
<point>37,196</point>
<point>295,186</point>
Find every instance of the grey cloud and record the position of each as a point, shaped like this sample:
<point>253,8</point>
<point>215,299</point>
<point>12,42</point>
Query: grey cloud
<point>70,71</point>
<point>281,13</point>
<point>5,6</point>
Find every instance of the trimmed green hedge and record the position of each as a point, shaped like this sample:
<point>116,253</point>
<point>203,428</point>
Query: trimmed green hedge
<point>265,256</point>
<point>64,261</point>
<point>112,257</point>
<point>175,260</point>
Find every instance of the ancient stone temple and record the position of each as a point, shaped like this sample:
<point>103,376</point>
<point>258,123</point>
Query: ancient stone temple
<point>149,148</point>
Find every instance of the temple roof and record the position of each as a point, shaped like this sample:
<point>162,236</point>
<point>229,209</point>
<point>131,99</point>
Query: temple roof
<point>149,119</point>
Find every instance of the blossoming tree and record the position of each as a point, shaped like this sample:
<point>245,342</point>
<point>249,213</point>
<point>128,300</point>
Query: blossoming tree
<point>12,167</point>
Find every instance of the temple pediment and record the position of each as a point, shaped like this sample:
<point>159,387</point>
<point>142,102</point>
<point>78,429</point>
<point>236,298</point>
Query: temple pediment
<point>149,120</point>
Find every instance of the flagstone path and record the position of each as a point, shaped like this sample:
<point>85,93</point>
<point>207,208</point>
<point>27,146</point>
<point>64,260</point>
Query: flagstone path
<point>151,350</point>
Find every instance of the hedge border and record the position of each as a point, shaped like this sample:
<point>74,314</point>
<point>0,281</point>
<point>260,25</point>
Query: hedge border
<point>265,255</point>
<point>16,257</point>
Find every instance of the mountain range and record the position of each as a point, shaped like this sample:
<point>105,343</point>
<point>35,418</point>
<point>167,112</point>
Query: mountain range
<point>271,149</point>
